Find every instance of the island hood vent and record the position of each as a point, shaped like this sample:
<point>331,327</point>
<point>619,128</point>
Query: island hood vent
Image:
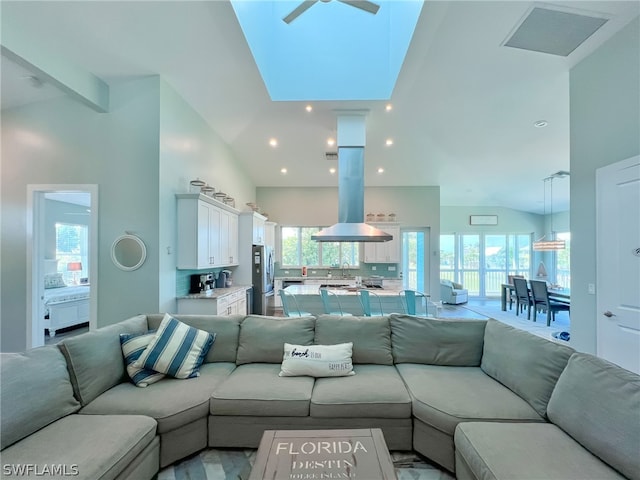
<point>351,226</point>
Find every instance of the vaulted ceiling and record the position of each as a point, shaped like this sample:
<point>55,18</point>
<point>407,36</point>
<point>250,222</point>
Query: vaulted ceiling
<point>463,107</point>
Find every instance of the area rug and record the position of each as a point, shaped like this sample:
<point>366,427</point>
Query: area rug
<point>235,464</point>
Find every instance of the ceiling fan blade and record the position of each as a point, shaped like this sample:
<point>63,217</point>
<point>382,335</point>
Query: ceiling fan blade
<point>363,5</point>
<point>299,10</point>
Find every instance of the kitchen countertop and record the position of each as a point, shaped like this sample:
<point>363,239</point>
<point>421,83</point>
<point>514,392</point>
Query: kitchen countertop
<point>313,290</point>
<point>217,293</point>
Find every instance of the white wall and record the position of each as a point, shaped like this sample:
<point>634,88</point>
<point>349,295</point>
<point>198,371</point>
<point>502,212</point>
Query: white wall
<point>605,121</point>
<point>62,141</point>
<point>189,149</point>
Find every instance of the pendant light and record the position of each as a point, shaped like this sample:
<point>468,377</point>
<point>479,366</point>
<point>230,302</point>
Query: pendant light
<point>551,244</point>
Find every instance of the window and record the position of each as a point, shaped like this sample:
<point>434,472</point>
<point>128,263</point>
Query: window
<point>72,247</point>
<point>298,249</point>
<point>563,266</point>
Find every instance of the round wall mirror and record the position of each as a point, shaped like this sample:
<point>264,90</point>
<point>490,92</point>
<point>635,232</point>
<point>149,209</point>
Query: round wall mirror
<point>128,252</point>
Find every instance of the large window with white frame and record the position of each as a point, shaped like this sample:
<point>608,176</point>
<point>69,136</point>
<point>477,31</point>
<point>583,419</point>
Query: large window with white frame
<point>482,262</point>
<point>297,249</point>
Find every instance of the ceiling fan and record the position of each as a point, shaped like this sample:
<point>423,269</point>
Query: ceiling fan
<point>304,6</point>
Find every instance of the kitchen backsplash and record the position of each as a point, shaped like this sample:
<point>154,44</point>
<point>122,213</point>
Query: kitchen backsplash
<point>183,278</point>
<point>366,270</point>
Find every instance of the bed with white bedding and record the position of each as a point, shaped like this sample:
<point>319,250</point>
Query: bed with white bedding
<point>65,306</point>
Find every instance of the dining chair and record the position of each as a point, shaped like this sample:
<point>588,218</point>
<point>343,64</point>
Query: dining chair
<point>408,300</point>
<point>511,292</point>
<point>326,296</point>
<point>290,305</point>
<point>523,299</point>
<point>365,297</point>
<point>541,301</point>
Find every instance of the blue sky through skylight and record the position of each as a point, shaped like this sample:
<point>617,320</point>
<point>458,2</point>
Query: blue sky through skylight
<point>333,51</point>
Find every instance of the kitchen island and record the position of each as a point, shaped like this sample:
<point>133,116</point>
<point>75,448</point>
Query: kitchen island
<point>308,299</point>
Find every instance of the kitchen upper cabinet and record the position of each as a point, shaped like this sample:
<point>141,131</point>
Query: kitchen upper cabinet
<point>229,237</point>
<point>252,225</point>
<point>270,234</point>
<point>384,252</point>
<point>207,233</point>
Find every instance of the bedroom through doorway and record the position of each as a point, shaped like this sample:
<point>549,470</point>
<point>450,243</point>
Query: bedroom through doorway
<point>62,260</point>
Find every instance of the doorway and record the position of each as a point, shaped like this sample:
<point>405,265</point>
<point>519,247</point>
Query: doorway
<point>415,259</point>
<point>62,259</point>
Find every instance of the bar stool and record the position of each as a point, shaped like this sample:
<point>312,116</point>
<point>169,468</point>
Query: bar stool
<point>290,305</point>
<point>409,298</point>
<point>325,296</point>
<point>365,297</point>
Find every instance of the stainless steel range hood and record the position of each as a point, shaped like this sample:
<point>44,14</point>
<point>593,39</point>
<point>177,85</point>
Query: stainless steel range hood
<point>351,226</point>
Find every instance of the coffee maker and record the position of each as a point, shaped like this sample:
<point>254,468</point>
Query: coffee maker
<point>201,283</point>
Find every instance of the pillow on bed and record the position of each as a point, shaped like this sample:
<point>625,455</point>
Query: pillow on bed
<point>133,344</point>
<point>54,280</point>
<point>317,360</point>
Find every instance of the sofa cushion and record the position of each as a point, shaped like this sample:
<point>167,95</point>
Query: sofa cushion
<point>436,342</point>
<point>256,389</point>
<point>371,336</point>
<point>94,447</point>
<point>176,349</point>
<point>512,451</point>
<point>317,360</point>
<point>132,347</point>
<point>262,339</point>
<point>171,402</point>
<point>227,330</point>
<point>607,421</point>
<point>442,397</point>
<point>525,363</point>
<point>94,358</point>
<point>35,390</point>
<point>376,391</point>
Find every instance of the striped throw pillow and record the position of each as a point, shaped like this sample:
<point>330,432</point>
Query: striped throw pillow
<point>177,349</point>
<point>132,347</point>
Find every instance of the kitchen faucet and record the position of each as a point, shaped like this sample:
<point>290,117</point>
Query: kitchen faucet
<point>345,266</point>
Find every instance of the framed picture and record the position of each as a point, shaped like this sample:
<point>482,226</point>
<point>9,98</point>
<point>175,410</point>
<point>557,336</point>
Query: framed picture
<point>483,220</point>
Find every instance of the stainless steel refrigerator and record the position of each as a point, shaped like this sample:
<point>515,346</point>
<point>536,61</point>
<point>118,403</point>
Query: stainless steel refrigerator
<point>262,277</point>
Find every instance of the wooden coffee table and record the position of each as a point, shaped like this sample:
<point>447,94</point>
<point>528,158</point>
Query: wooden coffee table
<point>359,454</point>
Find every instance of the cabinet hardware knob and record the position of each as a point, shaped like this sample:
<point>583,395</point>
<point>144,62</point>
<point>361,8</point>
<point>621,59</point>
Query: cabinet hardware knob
<point>609,314</point>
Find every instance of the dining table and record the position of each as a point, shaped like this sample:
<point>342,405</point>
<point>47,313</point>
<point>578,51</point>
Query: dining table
<point>558,294</point>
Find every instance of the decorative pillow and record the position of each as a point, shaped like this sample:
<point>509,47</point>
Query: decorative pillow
<point>317,360</point>
<point>132,347</point>
<point>176,349</point>
<point>54,280</point>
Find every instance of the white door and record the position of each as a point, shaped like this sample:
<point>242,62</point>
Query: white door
<point>618,263</point>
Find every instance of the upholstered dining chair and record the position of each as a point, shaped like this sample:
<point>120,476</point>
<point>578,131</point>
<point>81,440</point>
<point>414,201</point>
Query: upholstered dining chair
<point>409,299</point>
<point>326,296</point>
<point>523,299</point>
<point>541,301</point>
<point>290,305</point>
<point>366,298</point>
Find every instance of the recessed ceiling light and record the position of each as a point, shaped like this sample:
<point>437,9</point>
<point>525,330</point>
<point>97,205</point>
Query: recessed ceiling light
<point>380,170</point>
<point>283,170</point>
<point>308,108</point>
<point>332,170</point>
<point>331,141</point>
<point>388,107</point>
<point>273,142</point>
<point>388,142</point>
<point>540,124</point>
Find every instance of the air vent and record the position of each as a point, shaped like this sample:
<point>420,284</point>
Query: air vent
<point>331,155</point>
<point>553,31</point>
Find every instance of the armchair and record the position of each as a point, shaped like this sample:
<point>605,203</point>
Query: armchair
<point>453,293</point>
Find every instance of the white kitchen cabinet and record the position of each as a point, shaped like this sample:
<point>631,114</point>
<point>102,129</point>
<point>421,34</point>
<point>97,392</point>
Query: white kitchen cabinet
<point>207,233</point>
<point>230,304</point>
<point>384,252</point>
<point>270,234</point>
<point>252,225</point>
<point>229,238</point>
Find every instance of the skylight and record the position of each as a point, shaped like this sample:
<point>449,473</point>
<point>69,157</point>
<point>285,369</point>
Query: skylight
<point>332,51</point>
